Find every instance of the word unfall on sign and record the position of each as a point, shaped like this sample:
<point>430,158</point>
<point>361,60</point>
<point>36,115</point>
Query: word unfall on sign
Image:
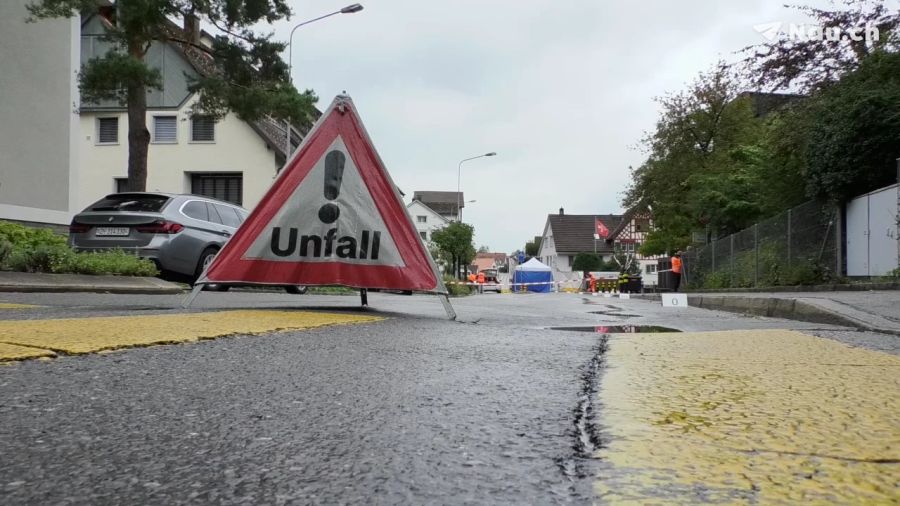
<point>311,246</point>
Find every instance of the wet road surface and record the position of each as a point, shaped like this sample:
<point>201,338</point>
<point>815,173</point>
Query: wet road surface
<point>410,409</point>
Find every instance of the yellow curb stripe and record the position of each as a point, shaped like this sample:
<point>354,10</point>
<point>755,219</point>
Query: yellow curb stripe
<point>769,416</point>
<point>89,335</point>
<point>14,352</point>
<point>10,305</point>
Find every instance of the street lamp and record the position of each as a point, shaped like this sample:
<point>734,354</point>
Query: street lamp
<point>458,179</point>
<point>350,9</point>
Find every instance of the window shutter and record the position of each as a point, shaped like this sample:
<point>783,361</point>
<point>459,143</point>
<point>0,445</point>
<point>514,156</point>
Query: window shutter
<point>165,129</point>
<point>227,187</point>
<point>107,130</point>
<point>203,129</point>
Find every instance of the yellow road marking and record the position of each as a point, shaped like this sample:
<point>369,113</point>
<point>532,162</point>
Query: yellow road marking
<point>88,335</point>
<point>771,416</point>
<point>15,352</point>
<point>10,305</point>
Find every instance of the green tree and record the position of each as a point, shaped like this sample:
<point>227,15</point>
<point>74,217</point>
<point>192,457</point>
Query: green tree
<point>700,172</point>
<point>246,75</point>
<point>454,241</point>
<point>532,248</point>
<point>809,64</point>
<point>852,130</point>
<point>586,262</point>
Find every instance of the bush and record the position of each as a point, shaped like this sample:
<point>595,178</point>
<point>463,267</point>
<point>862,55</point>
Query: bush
<point>42,258</point>
<point>27,249</point>
<point>26,237</point>
<point>6,249</point>
<point>115,262</point>
<point>455,289</point>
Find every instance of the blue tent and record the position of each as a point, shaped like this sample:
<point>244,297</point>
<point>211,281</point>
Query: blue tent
<point>533,271</point>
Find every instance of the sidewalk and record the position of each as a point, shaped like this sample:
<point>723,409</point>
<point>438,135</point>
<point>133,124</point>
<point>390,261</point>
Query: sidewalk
<point>27,282</point>
<point>876,310</point>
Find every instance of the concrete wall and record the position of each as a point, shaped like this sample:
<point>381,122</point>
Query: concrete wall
<point>38,122</point>
<point>237,148</point>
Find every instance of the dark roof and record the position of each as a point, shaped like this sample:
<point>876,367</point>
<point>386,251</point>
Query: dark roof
<point>441,202</point>
<point>272,131</point>
<point>574,233</point>
<point>766,103</point>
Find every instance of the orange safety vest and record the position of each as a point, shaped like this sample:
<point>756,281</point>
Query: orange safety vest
<point>471,278</point>
<point>481,278</point>
<point>676,265</point>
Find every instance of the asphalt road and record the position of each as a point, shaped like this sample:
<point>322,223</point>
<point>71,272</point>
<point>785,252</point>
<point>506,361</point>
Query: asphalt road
<point>494,408</point>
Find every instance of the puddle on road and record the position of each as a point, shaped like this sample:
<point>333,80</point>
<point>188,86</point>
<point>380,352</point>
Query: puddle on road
<point>613,313</point>
<point>617,329</point>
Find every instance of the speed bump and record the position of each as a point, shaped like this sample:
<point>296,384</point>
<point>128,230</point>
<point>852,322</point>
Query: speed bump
<point>77,336</point>
<point>15,352</point>
<point>771,417</point>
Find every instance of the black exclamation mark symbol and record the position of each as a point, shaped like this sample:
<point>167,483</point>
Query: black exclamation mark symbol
<point>334,173</point>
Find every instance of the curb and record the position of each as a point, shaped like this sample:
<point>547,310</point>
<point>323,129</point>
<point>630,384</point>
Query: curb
<point>134,286</point>
<point>776,307</point>
<point>847,287</point>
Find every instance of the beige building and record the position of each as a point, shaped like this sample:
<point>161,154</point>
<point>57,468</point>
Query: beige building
<point>58,155</point>
<point>39,123</point>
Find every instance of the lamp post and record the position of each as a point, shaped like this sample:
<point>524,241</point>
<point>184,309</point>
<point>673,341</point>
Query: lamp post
<point>350,9</point>
<point>458,180</point>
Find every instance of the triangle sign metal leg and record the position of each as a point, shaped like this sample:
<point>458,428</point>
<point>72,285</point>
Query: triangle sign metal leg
<point>451,314</point>
<point>364,297</point>
<point>198,287</point>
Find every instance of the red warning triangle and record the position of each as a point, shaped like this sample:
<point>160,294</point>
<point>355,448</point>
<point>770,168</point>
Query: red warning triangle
<point>333,217</point>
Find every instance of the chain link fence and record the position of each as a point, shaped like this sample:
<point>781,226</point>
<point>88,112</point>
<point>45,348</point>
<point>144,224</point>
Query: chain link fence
<point>796,247</point>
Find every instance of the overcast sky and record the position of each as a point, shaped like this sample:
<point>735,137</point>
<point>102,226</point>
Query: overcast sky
<point>561,90</point>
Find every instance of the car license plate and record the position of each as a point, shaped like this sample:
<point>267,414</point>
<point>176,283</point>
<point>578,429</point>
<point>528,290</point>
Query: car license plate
<point>113,231</point>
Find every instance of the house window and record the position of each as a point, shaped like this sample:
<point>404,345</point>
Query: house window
<point>651,269</point>
<point>422,219</point>
<point>424,235</point>
<point>165,129</point>
<point>121,184</point>
<point>227,187</point>
<point>203,129</point>
<point>107,130</point>
<point>571,260</point>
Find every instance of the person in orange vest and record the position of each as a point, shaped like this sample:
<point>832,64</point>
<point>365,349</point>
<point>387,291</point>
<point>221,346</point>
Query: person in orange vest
<point>676,271</point>
<point>480,281</point>
<point>472,277</point>
<point>593,282</point>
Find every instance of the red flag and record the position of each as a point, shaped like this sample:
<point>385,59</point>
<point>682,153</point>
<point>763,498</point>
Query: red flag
<point>600,228</point>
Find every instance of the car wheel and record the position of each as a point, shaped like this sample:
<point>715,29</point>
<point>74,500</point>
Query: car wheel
<point>206,258</point>
<point>296,289</point>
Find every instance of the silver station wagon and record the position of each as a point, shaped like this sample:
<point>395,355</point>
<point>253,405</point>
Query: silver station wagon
<point>180,233</point>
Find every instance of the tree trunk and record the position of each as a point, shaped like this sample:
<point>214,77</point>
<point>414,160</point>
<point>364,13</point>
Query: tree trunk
<point>138,138</point>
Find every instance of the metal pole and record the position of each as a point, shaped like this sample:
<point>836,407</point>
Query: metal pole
<point>756,253</point>
<point>731,260</point>
<point>346,10</point>
<point>458,196</point>
<point>789,238</point>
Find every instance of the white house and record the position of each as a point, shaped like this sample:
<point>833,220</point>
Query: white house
<point>566,235</point>
<point>61,154</point>
<point>425,219</point>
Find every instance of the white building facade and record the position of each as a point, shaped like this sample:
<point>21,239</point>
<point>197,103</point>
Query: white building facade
<point>425,219</point>
<point>60,155</point>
